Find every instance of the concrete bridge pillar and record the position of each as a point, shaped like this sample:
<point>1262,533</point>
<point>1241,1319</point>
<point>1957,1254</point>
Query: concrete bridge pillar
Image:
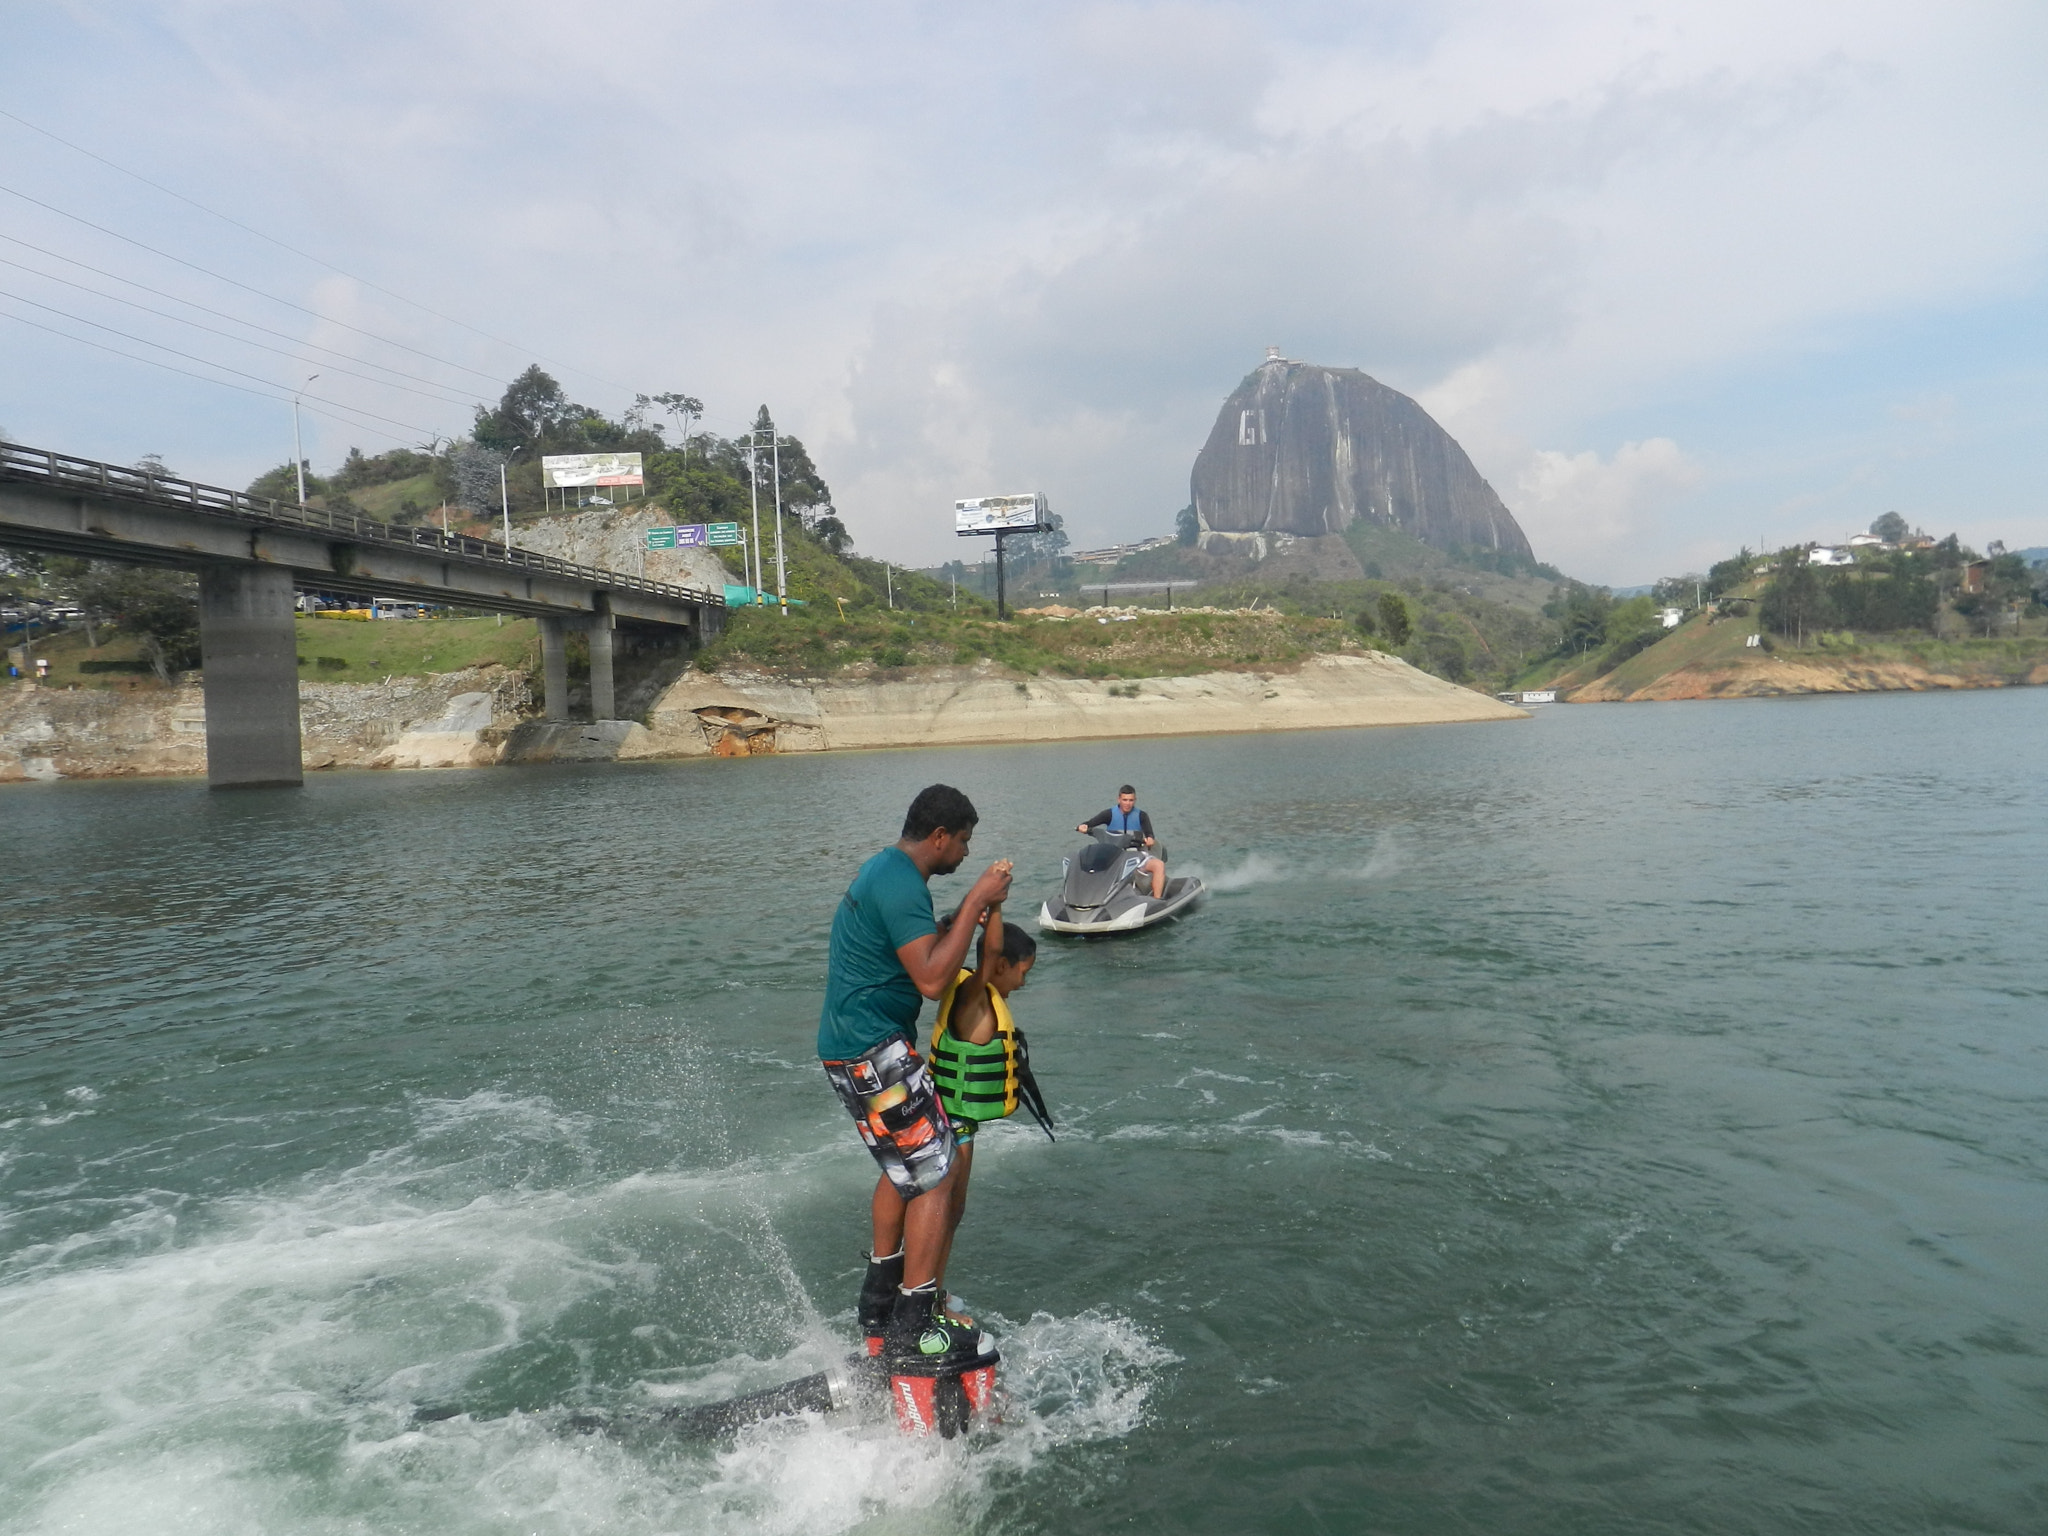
<point>603,705</point>
<point>249,652</point>
<point>554,669</point>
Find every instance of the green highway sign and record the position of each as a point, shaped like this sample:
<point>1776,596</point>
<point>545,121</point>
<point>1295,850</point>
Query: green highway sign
<point>661,538</point>
<point>722,533</point>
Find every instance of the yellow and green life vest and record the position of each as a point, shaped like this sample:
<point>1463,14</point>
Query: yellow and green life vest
<point>986,1081</point>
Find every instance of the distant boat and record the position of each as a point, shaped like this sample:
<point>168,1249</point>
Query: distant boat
<point>1529,696</point>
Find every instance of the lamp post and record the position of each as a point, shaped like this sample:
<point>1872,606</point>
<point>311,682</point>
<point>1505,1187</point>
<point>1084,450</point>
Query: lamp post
<point>781,581</point>
<point>298,453</point>
<point>505,494</point>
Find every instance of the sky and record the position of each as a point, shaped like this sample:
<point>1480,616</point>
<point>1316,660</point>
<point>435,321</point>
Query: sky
<point>1680,277</point>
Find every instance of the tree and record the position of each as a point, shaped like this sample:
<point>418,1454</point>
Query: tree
<point>1581,614</point>
<point>685,409</point>
<point>160,608</point>
<point>1187,527</point>
<point>1891,528</point>
<point>1394,619</point>
<point>1044,547</point>
<point>477,485</point>
<point>1364,623</point>
<point>1444,654</point>
<point>282,484</point>
<point>1795,601</point>
<point>358,471</point>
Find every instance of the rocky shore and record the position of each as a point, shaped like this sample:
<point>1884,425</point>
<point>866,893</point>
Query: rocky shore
<point>484,716</point>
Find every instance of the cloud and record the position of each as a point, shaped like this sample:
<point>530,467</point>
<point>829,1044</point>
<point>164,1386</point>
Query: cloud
<point>1579,507</point>
<point>970,249</point>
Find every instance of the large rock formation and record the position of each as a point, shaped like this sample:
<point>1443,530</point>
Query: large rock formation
<point>1306,451</point>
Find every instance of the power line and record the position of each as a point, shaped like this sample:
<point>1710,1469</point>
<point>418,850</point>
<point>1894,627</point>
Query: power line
<point>233,282</point>
<point>306,255</point>
<point>194,357</point>
<point>87,341</point>
<point>219,314</point>
<point>241,341</point>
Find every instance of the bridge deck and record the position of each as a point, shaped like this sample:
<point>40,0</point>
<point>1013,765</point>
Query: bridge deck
<point>59,504</point>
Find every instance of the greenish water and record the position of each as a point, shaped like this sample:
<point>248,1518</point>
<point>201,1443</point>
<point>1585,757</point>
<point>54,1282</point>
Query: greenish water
<point>1630,1120</point>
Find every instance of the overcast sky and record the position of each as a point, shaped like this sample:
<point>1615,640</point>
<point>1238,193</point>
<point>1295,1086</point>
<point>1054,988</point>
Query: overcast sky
<point>1678,276</point>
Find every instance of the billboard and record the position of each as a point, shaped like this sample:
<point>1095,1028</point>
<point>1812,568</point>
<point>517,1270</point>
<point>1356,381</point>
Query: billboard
<point>574,469</point>
<point>999,514</point>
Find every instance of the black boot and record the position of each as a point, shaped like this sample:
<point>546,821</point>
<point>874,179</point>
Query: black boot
<point>923,1341</point>
<point>878,1297</point>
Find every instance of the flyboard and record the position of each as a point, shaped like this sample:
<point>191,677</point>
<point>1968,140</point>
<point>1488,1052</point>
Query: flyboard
<point>945,1401</point>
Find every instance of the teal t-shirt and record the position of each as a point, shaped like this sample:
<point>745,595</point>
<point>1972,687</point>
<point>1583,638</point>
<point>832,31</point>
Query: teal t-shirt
<point>868,994</point>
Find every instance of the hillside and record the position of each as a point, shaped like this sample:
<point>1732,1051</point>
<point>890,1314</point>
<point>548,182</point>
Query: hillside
<point>1710,657</point>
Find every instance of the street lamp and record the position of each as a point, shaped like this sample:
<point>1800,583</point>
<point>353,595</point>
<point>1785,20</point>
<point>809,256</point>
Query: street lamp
<point>505,494</point>
<point>298,453</point>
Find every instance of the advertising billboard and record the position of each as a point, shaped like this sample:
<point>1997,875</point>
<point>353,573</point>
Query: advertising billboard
<point>560,470</point>
<point>999,514</point>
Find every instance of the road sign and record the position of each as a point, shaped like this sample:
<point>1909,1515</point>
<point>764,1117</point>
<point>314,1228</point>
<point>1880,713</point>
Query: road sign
<point>661,538</point>
<point>690,536</point>
<point>719,534</point>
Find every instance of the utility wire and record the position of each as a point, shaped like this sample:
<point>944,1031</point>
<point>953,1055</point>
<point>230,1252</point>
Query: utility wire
<point>196,358</point>
<point>307,255</point>
<point>233,282</point>
<point>86,341</point>
<point>218,314</point>
<point>242,341</point>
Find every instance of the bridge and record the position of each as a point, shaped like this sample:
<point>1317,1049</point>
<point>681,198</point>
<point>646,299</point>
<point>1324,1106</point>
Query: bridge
<point>252,554</point>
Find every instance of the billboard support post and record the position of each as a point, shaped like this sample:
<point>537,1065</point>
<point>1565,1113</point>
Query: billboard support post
<point>1001,516</point>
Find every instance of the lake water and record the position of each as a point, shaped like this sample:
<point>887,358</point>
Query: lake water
<point>1632,1119</point>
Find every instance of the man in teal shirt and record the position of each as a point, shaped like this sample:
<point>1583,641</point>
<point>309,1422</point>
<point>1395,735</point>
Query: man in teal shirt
<point>887,956</point>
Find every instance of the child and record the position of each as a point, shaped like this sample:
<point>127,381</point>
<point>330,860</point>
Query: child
<point>979,1061</point>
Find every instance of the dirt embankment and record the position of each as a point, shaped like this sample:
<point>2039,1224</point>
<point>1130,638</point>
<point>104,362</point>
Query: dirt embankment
<point>745,713</point>
<point>1771,676</point>
<point>451,720</point>
<point>483,716</point>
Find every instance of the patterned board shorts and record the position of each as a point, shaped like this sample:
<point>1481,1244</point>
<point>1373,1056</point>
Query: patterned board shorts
<point>895,1105</point>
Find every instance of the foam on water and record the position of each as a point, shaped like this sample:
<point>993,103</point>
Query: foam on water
<point>254,1364</point>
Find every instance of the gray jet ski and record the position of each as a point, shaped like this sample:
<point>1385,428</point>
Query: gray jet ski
<point>1105,892</point>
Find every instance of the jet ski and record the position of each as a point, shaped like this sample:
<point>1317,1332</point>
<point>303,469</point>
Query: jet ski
<point>1106,891</point>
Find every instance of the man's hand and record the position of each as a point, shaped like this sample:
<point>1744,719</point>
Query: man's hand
<point>992,888</point>
<point>932,961</point>
<point>1082,828</point>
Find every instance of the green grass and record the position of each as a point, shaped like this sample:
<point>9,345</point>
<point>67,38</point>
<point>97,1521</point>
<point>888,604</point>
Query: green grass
<point>818,642</point>
<point>371,650</point>
<point>330,651</point>
<point>386,502</point>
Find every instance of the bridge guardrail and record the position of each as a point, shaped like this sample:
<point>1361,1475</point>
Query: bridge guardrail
<point>47,467</point>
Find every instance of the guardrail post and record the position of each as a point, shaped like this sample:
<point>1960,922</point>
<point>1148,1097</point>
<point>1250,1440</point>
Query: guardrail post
<point>249,650</point>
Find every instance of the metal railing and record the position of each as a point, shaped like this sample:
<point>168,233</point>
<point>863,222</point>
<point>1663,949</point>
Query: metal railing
<point>42,466</point>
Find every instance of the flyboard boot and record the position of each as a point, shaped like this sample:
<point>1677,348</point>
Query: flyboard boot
<point>878,1290</point>
<point>941,1372</point>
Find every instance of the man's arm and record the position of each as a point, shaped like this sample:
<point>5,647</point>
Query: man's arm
<point>1145,826</point>
<point>933,960</point>
<point>1099,819</point>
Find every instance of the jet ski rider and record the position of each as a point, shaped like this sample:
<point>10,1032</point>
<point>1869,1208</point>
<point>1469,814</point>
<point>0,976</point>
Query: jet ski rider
<point>1134,827</point>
